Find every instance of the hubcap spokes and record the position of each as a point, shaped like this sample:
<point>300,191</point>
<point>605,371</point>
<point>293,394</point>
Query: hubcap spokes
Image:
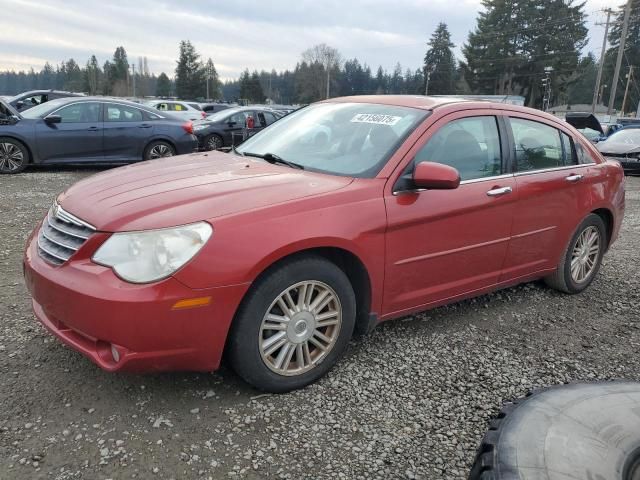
<point>11,157</point>
<point>585,254</point>
<point>160,151</point>
<point>300,328</point>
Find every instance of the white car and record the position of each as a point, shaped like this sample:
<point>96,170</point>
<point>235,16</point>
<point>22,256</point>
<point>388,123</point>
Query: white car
<point>177,108</point>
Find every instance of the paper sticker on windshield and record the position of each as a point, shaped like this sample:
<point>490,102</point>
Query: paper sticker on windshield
<point>376,118</point>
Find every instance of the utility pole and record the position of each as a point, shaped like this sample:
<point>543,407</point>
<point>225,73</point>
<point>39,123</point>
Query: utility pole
<point>546,81</point>
<point>428,70</point>
<point>626,90</point>
<point>616,73</point>
<point>596,89</point>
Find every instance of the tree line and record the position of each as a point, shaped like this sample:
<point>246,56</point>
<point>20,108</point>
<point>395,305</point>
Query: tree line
<point>512,48</point>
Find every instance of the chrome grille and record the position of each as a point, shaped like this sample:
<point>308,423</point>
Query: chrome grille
<point>61,235</point>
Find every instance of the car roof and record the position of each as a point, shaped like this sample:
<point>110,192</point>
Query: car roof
<point>413,101</point>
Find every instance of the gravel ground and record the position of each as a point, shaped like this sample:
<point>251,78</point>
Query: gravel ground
<point>412,400</point>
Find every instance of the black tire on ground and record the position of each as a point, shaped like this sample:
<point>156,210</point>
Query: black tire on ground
<point>562,278</point>
<point>158,149</point>
<point>246,334</point>
<point>589,431</point>
<point>213,142</point>
<point>14,156</point>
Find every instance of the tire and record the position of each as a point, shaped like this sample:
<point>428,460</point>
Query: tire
<point>213,142</point>
<point>14,156</point>
<point>251,340</point>
<point>570,431</point>
<point>563,279</point>
<point>159,149</point>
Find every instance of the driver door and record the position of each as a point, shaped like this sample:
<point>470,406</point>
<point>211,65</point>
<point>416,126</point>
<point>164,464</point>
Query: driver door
<point>444,244</point>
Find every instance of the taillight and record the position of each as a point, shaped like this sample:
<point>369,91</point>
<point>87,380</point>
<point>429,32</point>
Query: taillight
<point>188,127</point>
<point>204,115</point>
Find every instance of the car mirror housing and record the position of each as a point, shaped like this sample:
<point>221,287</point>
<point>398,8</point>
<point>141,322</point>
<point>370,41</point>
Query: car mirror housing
<point>435,176</point>
<point>53,119</point>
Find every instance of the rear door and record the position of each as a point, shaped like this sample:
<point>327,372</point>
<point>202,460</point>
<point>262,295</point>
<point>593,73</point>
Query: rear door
<point>441,244</point>
<point>552,191</point>
<point>78,137</point>
<point>126,132</point>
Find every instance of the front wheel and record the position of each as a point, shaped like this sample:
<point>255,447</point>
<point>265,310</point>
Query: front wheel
<point>158,149</point>
<point>14,156</point>
<point>294,325</point>
<point>581,261</point>
<point>213,142</point>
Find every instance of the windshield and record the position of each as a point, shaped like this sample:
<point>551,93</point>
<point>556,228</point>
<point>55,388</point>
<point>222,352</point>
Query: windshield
<point>44,108</point>
<point>350,139</point>
<point>630,136</point>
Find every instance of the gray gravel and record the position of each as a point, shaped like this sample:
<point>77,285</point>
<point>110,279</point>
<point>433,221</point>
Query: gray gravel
<point>412,400</point>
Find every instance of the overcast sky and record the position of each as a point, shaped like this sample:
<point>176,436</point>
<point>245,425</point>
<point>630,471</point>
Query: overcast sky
<point>258,34</point>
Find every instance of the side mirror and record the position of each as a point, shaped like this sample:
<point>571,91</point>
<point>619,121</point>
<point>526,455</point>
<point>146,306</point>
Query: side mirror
<point>51,119</point>
<point>435,176</point>
<point>19,104</point>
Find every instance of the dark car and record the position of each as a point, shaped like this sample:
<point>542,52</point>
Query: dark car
<point>229,127</point>
<point>89,129</point>
<point>624,146</point>
<point>211,108</point>
<point>28,100</point>
<point>587,124</point>
<point>8,115</point>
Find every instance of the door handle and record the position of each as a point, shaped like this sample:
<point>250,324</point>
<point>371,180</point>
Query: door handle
<point>496,192</point>
<point>144,125</point>
<point>573,178</point>
<point>92,129</point>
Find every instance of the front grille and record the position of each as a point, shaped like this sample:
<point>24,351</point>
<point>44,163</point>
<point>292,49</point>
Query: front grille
<point>61,235</point>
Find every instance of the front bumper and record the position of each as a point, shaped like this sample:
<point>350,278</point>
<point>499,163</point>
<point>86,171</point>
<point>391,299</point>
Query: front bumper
<point>629,165</point>
<point>90,309</point>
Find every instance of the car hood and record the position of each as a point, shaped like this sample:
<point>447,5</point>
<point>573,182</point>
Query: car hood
<point>582,120</point>
<point>617,148</point>
<point>190,188</point>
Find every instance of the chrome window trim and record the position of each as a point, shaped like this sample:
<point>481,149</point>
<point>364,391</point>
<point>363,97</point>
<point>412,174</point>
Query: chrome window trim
<point>483,179</point>
<point>554,169</point>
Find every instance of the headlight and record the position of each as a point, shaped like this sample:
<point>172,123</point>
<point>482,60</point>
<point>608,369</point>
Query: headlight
<point>143,257</point>
<point>200,127</point>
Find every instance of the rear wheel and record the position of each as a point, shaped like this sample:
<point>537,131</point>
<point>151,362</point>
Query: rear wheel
<point>14,156</point>
<point>581,261</point>
<point>213,142</point>
<point>158,149</point>
<point>294,325</point>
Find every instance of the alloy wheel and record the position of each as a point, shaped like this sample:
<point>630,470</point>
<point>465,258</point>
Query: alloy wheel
<point>300,328</point>
<point>214,143</point>
<point>160,150</point>
<point>11,157</point>
<point>584,257</point>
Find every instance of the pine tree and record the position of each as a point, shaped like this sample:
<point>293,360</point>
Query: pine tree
<point>92,76</point>
<point>212,78</point>
<point>516,40</point>
<point>163,86</point>
<point>190,73</point>
<point>119,73</point>
<point>439,63</point>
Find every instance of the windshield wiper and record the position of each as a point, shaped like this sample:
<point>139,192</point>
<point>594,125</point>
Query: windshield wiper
<point>273,158</point>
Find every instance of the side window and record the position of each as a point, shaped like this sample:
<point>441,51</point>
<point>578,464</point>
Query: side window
<point>567,147</point>
<point>33,101</point>
<point>270,117</point>
<point>163,107</point>
<point>177,107</point>
<point>537,145</point>
<point>239,119</point>
<point>470,145</point>
<point>86,112</point>
<point>583,156</point>
<point>261,120</point>
<point>122,113</point>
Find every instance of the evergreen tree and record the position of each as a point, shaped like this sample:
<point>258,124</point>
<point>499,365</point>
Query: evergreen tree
<point>119,73</point>
<point>580,89</point>
<point>516,40</point>
<point>163,86</point>
<point>190,73</point>
<point>439,62</point>
<point>212,78</point>
<point>92,76</point>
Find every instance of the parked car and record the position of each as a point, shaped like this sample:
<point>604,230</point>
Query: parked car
<point>28,100</point>
<point>623,146</point>
<point>277,253</point>
<point>91,129</point>
<point>8,115</point>
<point>587,124</point>
<point>184,110</point>
<point>218,130</point>
<point>211,108</point>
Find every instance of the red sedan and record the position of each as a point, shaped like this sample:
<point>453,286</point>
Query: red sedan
<point>341,215</point>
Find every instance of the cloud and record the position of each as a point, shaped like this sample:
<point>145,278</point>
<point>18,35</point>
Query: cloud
<point>236,35</point>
